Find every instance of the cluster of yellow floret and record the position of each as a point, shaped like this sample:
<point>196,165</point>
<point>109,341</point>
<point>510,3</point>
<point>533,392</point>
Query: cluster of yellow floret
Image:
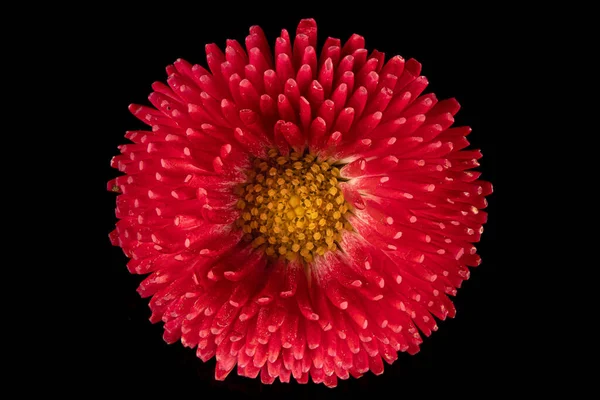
<point>292,205</point>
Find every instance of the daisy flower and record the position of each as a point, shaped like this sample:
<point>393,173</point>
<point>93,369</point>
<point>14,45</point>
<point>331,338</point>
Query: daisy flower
<point>300,214</point>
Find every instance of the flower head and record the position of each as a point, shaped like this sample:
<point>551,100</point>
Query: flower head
<point>300,214</point>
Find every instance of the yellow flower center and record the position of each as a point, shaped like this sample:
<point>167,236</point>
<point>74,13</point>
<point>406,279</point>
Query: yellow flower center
<point>292,206</point>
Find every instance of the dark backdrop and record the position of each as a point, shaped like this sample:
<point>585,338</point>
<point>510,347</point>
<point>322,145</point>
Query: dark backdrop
<point>462,52</point>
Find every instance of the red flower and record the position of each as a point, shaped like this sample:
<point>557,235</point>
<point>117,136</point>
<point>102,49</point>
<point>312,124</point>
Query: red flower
<point>299,214</point>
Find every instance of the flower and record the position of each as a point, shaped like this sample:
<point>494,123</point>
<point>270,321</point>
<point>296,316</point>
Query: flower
<point>299,214</point>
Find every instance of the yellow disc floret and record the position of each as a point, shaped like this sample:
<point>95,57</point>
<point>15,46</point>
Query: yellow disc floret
<point>292,206</point>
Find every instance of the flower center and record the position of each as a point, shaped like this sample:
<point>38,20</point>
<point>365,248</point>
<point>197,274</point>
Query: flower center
<point>292,206</point>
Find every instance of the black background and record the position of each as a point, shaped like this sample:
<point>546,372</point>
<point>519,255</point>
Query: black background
<point>462,56</point>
